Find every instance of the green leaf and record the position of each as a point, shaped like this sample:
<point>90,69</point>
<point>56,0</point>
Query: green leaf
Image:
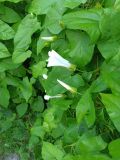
<point>85,109</point>
<point>49,120</point>
<point>53,18</point>
<point>98,85</point>
<point>39,69</point>
<point>112,105</point>
<point>51,85</point>
<point>109,43</point>
<point>13,81</point>
<point>87,157</point>
<point>7,64</point>
<point>37,104</point>
<point>14,1</point>
<point>53,115</point>
<point>58,131</point>
<point>71,133</point>
<point>89,144</point>
<point>51,152</point>
<point>111,75</point>
<point>113,148</point>
<point>4,51</point>
<point>33,141</point>
<point>40,6</point>
<point>109,3</point>
<point>38,131</point>
<point>87,20</point>
<point>72,4</point>
<point>22,38</point>
<point>81,50</point>
<point>69,157</point>
<point>117,4</point>
<point>8,15</point>
<point>115,60</point>
<point>5,125</point>
<point>4,96</point>
<point>64,103</point>
<point>6,32</point>
<point>42,43</point>
<point>22,109</point>
<point>26,88</point>
<point>20,71</point>
<point>61,45</point>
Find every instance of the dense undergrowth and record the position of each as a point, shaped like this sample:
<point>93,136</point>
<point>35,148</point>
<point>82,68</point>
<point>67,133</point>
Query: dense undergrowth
<point>60,109</point>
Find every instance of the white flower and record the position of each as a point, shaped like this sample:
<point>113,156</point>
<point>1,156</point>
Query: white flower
<point>49,39</point>
<point>45,76</point>
<point>48,97</point>
<point>56,60</point>
<point>69,88</point>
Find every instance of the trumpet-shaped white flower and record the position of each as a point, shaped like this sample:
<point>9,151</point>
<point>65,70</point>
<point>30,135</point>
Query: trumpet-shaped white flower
<point>69,88</point>
<point>48,97</point>
<point>45,76</point>
<point>56,60</point>
<point>49,39</point>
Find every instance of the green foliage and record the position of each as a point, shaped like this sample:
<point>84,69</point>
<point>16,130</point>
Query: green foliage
<point>40,6</point>
<point>109,43</point>
<point>87,20</point>
<point>77,119</point>
<point>39,69</point>
<point>26,88</point>
<point>113,148</point>
<point>81,50</point>
<point>21,109</point>
<point>4,51</point>
<point>22,38</point>
<point>50,151</point>
<point>6,32</point>
<point>111,103</point>
<point>85,109</point>
<point>72,4</point>
<point>4,96</point>
<point>8,14</point>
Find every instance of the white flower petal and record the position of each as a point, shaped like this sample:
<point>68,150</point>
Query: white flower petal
<point>56,60</point>
<point>45,76</point>
<point>69,88</point>
<point>47,97</point>
<point>59,58</point>
<point>50,39</point>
